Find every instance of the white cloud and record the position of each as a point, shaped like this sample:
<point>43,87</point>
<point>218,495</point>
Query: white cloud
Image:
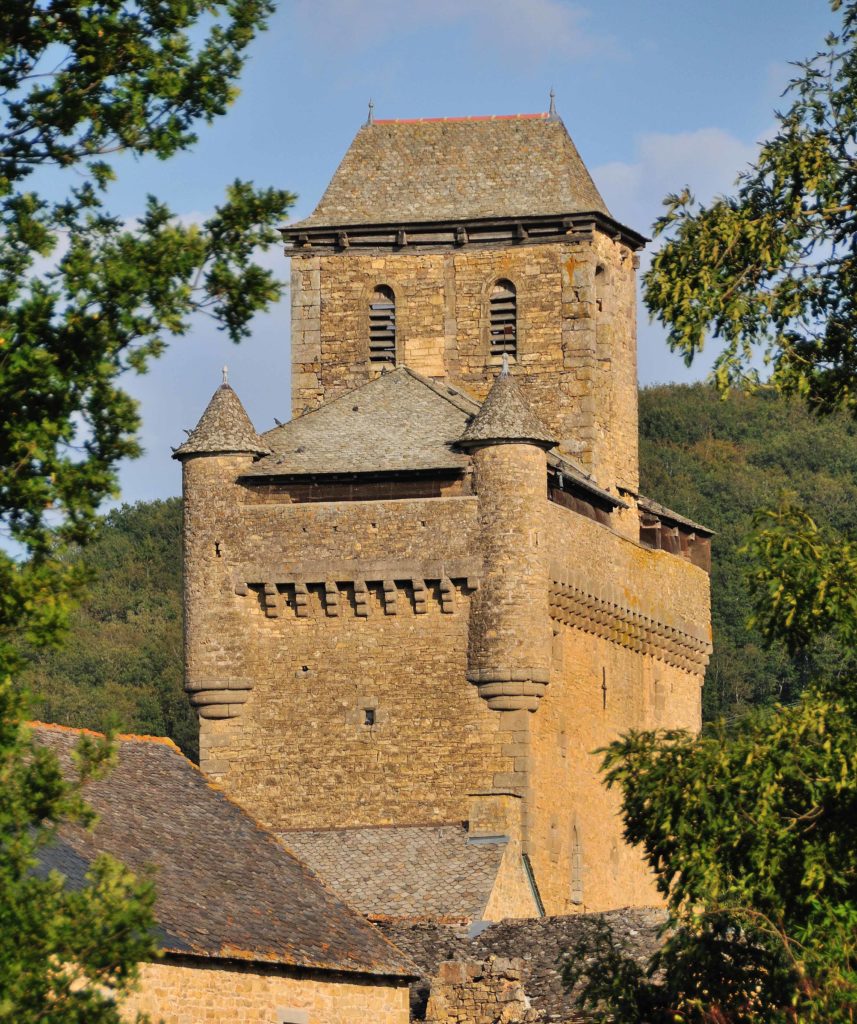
<point>707,160</point>
<point>529,28</point>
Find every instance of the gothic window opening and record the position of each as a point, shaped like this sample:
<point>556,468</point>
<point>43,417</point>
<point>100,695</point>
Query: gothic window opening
<point>503,320</point>
<point>382,326</point>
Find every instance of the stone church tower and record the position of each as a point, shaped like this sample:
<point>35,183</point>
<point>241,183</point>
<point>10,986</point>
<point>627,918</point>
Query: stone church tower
<point>415,611</point>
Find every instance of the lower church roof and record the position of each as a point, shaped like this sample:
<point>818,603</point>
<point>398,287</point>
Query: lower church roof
<point>412,871</point>
<point>226,887</point>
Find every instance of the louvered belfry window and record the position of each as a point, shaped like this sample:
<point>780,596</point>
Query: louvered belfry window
<point>382,326</point>
<point>503,313</point>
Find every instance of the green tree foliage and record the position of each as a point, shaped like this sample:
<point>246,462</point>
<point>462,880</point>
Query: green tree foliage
<point>718,462</point>
<point>67,955</point>
<point>120,665</point>
<point>772,270</point>
<point>751,830</point>
<point>82,82</point>
<point>85,298</point>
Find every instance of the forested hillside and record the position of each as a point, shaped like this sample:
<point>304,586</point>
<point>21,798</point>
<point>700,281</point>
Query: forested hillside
<point>121,664</point>
<point>715,461</point>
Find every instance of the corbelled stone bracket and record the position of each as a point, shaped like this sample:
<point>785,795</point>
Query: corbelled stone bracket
<point>518,689</point>
<point>221,698</point>
<point>575,603</point>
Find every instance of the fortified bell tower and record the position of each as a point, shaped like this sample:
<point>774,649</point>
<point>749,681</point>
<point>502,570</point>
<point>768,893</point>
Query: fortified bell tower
<point>414,611</point>
<point>444,245</point>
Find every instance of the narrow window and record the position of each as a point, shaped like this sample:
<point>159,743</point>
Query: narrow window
<point>382,326</point>
<point>576,868</point>
<point>503,316</point>
<point>368,716</point>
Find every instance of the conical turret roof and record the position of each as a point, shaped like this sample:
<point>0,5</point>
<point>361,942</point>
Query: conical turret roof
<point>223,428</point>
<point>506,417</point>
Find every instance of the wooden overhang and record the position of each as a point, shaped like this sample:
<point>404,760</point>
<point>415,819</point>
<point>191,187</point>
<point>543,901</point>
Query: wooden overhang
<point>458,234</point>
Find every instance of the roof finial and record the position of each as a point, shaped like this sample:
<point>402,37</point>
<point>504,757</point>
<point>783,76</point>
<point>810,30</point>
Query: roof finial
<point>505,371</point>
<point>225,372</point>
<point>552,108</point>
<point>371,118</point>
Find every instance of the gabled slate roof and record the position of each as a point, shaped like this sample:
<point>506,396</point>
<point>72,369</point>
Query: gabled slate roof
<point>399,421</point>
<point>455,169</point>
<point>506,416</point>
<point>226,887</point>
<point>223,428</point>
<point>413,871</point>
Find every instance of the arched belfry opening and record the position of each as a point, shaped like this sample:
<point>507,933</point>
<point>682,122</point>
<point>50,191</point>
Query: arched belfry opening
<point>382,326</point>
<point>503,320</point>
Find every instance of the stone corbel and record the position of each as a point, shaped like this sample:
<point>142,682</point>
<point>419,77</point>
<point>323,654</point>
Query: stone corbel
<point>222,698</point>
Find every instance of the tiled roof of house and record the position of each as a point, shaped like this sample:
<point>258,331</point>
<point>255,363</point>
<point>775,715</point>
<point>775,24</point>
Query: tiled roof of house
<point>226,887</point>
<point>223,427</point>
<point>454,169</point>
<point>414,871</point>
<point>399,421</point>
<point>542,944</point>
<point>506,416</point>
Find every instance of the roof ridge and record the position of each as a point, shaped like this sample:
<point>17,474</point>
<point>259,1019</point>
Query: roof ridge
<point>124,737</point>
<point>366,828</point>
<point>333,401</point>
<point>466,117</point>
<point>447,391</point>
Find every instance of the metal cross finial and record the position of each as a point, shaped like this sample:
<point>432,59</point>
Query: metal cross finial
<point>505,371</point>
<point>371,118</point>
<point>225,372</point>
<point>552,109</point>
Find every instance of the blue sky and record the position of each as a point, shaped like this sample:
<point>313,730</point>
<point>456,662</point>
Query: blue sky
<point>655,93</point>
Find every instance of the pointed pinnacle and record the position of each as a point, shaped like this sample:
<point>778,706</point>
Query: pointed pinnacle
<point>225,372</point>
<point>552,108</point>
<point>371,118</point>
<point>505,371</point>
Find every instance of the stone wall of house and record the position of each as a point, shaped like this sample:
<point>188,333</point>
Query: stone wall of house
<point>576,333</point>
<point>479,992</point>
<point>177,991</point>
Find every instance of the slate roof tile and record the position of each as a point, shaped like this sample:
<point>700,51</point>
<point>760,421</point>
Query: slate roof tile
<point>506,416</point>
<point>403,871</point>
<point>454,169</point>
<point>542,944</point>
<point>399,421</point>
<point>226,887</point>
<point>223,427</point>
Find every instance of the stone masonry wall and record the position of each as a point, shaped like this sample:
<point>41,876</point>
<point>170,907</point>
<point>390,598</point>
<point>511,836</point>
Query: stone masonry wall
<point>177,992</point>
<point>350,623</point>
<point>611,672</point>
<point>576,333</point>
<point>479,992</point>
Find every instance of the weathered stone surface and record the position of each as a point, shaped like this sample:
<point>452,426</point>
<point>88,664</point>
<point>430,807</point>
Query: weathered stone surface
<point>538,949</point>
<point>497,605</point>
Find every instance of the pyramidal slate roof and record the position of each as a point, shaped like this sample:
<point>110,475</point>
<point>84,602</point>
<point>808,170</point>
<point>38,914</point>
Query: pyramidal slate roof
<point>409,871</point>
<point>224,427</point>
<point>226,887</point>
<point>400,421</point>
<point>454,169</point>
<point>506,416</point>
